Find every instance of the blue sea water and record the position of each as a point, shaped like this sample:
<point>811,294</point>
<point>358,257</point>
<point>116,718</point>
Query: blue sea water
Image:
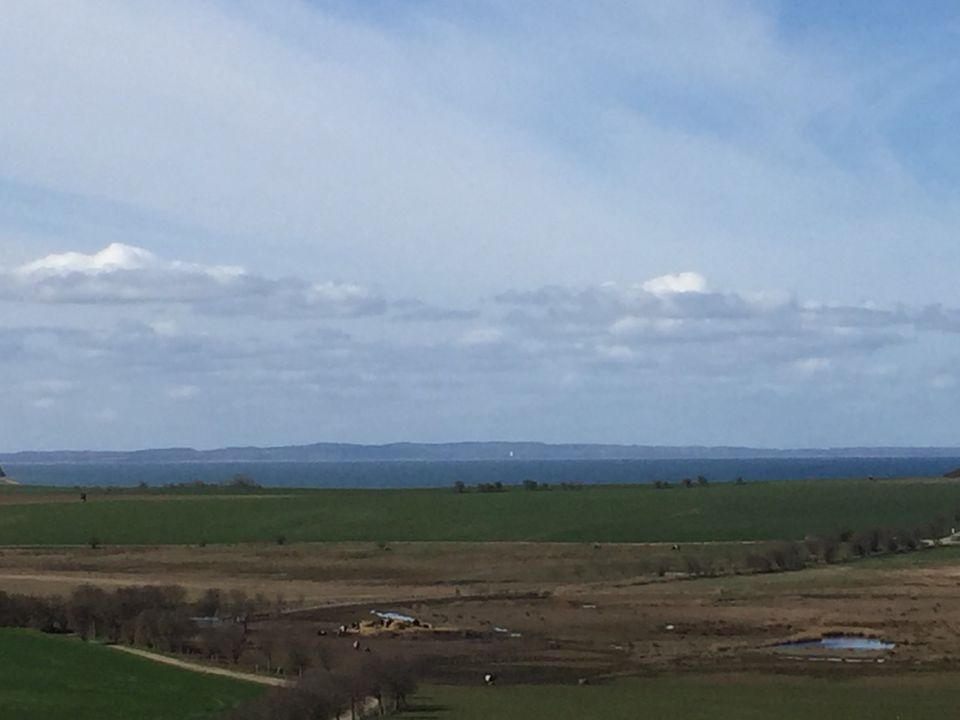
<point>405,474</point>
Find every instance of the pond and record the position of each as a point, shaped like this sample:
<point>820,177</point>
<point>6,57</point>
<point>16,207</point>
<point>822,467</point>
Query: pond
<point>838,642</point>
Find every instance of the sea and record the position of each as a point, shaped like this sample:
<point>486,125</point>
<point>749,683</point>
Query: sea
<point>425,474</point>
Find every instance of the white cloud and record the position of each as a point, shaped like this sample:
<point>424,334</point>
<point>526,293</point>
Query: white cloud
<point>687,282</point>
<point>111,259</point>
<point>677,321</point>
<point>560,353</point>
<point>124,274</point>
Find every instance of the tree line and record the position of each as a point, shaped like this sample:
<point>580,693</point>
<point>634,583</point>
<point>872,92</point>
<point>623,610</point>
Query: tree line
<point>530,485</point>
<point>217,627</point>
<point>841,546</point>
<point>368,685</point>
<point>154,617</point>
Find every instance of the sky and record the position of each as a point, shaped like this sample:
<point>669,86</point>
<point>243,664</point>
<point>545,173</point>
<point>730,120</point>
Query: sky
<point>712,223</point>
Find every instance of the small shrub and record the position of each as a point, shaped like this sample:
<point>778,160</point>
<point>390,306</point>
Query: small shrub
<point>759,563</point>
<point>829,550</point>
<point>893,544</point>
<point>910,541</point>
<point>694,565</point>
<point>241,481</point>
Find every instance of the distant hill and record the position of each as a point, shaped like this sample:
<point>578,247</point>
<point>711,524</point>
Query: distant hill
<point>460,451</point>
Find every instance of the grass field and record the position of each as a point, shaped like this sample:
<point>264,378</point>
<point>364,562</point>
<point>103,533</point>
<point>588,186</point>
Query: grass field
<point>904,697</point>
<point>756,511</point>
<point>54,678</point>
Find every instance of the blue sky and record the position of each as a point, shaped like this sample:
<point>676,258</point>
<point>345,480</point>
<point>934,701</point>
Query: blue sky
<point>664,223</point>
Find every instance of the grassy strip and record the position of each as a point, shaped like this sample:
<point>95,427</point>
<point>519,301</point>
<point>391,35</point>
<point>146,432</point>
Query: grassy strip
<point>691,698</point>
<point>55,678</point>
<point>756,511</point>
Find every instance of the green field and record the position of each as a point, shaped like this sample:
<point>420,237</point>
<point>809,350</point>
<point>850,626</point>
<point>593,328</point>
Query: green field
<point>55,678</point>
<point>756,511</point>
<point>904,697</point>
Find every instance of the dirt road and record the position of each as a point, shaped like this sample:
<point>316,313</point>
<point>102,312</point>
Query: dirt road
<point>206,669</point>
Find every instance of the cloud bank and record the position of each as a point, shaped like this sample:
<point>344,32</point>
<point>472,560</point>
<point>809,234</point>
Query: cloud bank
<point>123,274</point>
<point>166,329</point>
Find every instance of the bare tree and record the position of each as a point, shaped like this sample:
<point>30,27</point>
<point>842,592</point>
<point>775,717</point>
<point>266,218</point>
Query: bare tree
<point>87,610</point>
<point>297,654</point>
<point>229,641</point>
<point>210,604</point>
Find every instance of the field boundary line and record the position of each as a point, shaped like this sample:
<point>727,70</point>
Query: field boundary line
<point>205,669</point>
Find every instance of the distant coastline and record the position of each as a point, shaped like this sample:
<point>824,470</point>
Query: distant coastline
<point>461,452</point>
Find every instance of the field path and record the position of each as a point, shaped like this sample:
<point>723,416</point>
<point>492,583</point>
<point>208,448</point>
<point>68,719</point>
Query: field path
<point>206,669</point>
<point>366,708</point>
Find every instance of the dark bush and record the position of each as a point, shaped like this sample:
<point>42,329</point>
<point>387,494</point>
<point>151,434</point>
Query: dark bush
<point>243,481</point>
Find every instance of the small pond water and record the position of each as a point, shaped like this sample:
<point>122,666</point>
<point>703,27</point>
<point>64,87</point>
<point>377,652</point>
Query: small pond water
<point>839,642</point>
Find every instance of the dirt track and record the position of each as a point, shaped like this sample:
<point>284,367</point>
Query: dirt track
<point>368,707</point>
<point>205,669</point>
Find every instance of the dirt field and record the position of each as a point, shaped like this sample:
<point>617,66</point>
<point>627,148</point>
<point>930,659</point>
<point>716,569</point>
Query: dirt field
<point>337,573</point>
<point>550,612</point>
